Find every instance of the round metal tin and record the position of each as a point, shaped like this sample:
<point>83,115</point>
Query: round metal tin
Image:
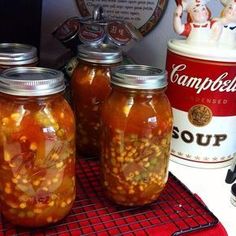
<point>118,33</point>
<point>92,34</point>
<point>17,54</point>
<point>101,54</point>
<point>68,29</point>
<point>31,81</point>
<point>138,77</point>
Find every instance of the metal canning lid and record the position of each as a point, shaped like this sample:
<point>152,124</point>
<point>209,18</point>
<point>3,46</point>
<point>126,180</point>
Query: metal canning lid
<point>100,54</point>
<point>31,81</point>
<point>17,54</point>
<point>138,77</point>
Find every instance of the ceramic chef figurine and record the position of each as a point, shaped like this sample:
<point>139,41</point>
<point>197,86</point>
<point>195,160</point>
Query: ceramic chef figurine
<point>199,27</point>
<point>228,19</point>
<point>186,3</point>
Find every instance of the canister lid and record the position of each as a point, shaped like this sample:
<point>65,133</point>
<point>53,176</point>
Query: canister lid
<point>17,54</point>
<point>31,81</point>
<point>101,54</point>
<point>202,52</point>
<point>138,77</point>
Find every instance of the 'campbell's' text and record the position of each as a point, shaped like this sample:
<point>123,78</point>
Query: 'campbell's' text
<point>221,83</point>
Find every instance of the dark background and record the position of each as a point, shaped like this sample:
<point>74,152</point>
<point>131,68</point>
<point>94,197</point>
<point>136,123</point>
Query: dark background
<point>20,21</point>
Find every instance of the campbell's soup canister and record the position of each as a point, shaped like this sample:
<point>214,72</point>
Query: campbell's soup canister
<point>201,89</point>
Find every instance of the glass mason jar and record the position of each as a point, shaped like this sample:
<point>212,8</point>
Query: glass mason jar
<point>136,121</point>
<point>37,147</point>
<point>16,54</point>
<point>90,86</point>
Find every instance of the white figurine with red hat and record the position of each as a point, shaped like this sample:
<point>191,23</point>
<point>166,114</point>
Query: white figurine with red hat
<point>187,3</point>
<point>228,19</point>
<point>199,28</point>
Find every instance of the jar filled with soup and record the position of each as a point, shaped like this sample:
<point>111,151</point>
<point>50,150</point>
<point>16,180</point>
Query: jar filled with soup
<point>90,86</point>
<point>16,54</point>
<point>136,123</point>
<point>37,147</point>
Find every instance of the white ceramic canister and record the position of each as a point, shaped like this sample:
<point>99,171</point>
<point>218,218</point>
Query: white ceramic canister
<point>202,92</point>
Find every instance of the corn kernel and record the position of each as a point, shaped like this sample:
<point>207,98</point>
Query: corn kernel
<point>23,138</point>
<point>68,201</point>
<point>7,156</point>
<point>55,156</point>
<point>55,180</point>
<point>18,177</point>
<point>120,159</point>
<point>115,170</point>
<point>37,211</point>
<point>62,115</point>
<point>22,205</point>
<point>126,110</point>
<point>63,204</point>
<point>33,146</point>
<point>49,219</point>
<point>60,164</point>
<point>52,203</point>
<point>141,188</point>
<point>36,183</point>
<point>147,164</point>
<point>7,190</point>
<point>131,191</point>
<point>14,180</point>
<point>15,116</point>
<point>5,121</point>
<point>25,181</point>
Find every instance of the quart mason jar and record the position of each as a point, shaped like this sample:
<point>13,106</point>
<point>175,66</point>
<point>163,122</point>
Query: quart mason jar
<point>136,122</point>
<point>16,54</point>
<point>90,86</point>
<point>37,147</point>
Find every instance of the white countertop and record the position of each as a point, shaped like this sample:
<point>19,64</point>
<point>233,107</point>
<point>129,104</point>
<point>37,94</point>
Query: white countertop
<point>210,186</point>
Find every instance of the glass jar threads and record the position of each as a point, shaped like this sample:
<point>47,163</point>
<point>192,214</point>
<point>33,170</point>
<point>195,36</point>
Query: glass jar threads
<point>16,54</point>
<point>90,86</point>
<point>136,121</point>
<point>37,147</point>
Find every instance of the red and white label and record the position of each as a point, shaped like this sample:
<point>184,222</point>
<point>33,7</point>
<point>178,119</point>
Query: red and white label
<point>197,87</point>
<point>195,81</point>
<point>91,33</point>
<point>118,33</point>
